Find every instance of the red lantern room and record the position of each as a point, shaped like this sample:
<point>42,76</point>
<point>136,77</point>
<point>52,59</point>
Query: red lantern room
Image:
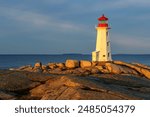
<point>103,21</point>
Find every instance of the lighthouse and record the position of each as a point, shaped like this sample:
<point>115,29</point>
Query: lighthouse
<point>103,50</point>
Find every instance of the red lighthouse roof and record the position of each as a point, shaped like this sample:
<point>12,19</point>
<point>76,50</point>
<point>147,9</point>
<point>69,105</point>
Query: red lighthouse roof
<point>102,18</point>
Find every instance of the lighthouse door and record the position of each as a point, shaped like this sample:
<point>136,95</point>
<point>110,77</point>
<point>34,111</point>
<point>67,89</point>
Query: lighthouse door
<point>95,55</point>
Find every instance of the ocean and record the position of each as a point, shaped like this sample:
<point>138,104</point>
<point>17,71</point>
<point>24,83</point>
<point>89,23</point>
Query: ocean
<point>13,61</point>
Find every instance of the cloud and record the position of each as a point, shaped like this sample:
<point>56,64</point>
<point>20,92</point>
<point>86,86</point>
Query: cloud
<point>119,4</point>
<point>145,16</point>
<point>79,7</point>
<point>38,20</point>
<point>72,22</point>
<point>130,44</point>
<point>55,2</point>
<point>130,41</point>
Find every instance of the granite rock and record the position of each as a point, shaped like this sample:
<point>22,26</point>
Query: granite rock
<point>72,64</point>
<point>84,64</point>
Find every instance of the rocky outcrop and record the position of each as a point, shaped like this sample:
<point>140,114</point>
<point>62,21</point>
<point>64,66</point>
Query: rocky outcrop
<point>76,80</point>
<point>18,81</point>
<point>30,85</point>
<point>85,67</point>
<point>75,88</point>
<point>52,65</point>
<point>72,64</point>
<point>118,69</point>
<point>61,65</point>
<point>141,65</point>
<point>143,71</point>
<point>23,68</point>
<point>113,68</point>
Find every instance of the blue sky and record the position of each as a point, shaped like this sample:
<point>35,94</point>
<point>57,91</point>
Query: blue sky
<point>68,26</point>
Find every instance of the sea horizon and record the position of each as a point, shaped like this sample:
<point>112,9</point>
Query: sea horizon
<point>71,54</point>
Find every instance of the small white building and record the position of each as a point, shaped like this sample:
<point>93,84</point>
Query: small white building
<point>103,51</point>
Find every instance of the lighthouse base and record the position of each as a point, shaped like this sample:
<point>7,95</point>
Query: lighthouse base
<point>96,56</point>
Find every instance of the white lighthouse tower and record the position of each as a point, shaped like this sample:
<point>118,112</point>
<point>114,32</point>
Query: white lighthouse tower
<point>103,51</point>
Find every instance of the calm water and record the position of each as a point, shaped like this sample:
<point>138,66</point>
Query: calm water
<point>7,61</point>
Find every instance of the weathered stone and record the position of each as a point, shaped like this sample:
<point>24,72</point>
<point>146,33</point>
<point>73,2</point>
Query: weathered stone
<point>38,64</point>
<point>80,70</point>
<point>95,70</point>
<point>24,68</point>
<point>45,71</point>
<point>119,69</point>
<point>94,63</point>
<point>28,85</point>
<point>60,65</point>
<point>127,70</point>
<point>52,65</point>
<point>27,67</point>
<point>45,67</point>
<point>105,71</point>
<point>68,71</point>
<point>80,88</point>
<point>30,69</point>
<point>38,91</point>
<point>76,72</point>
<point>142,71</point>
<point>99,67</point>
<point>84,64</point>
<point>145,72</point>
<point>102,69</point>
<point>37,69</point>
<point>113,68</point>
<point>5,96</point>
<point>72,64</point>
<point>141,65</point>
<point>101,63</point>
<point>56,71</point>
<point>16,82</point>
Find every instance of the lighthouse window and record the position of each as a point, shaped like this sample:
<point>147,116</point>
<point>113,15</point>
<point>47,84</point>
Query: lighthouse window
<point>108,54</point>
<point>103,22</point>
<point>103,55</point>
<point>107,33</point>
<point>107,43</point>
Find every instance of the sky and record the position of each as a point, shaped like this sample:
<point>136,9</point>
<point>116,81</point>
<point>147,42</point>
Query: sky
<point>68,26</point>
